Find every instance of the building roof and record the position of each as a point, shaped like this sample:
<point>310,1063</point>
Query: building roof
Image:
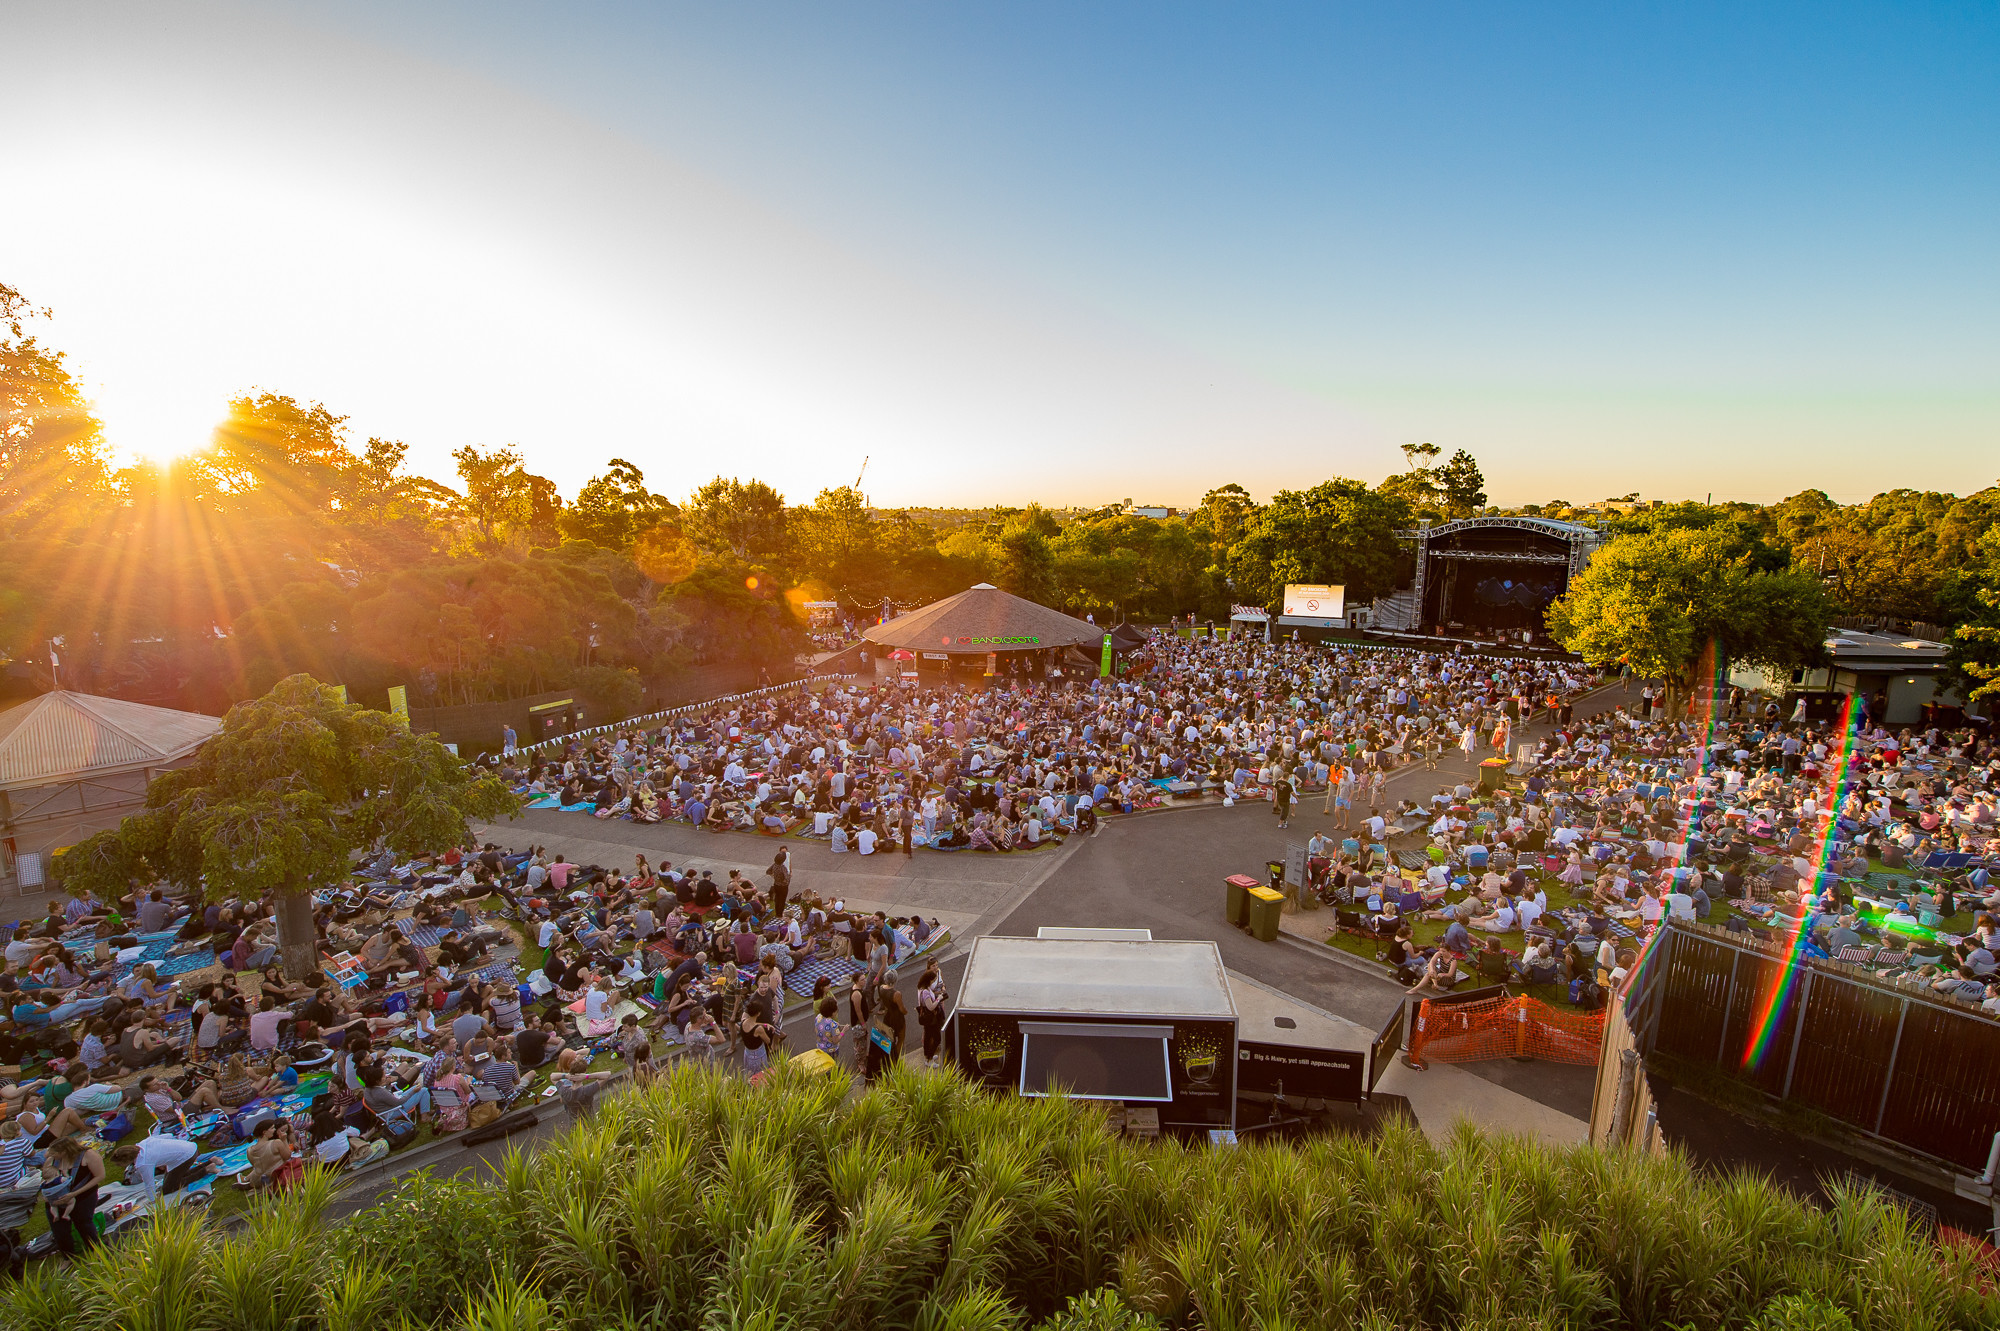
<point>1853,649</point>
<point>984,619</point>
<point>61,736</point>
<point>1095,977</point>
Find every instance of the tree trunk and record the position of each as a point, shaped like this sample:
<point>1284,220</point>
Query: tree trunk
<point>298,945</point>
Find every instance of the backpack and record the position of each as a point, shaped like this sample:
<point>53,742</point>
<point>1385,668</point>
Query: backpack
<point>1586,993</point>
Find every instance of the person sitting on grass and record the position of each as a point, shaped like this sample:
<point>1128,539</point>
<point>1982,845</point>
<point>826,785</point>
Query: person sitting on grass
<point>1441,972</point>
<point>270,1147</point>
<point>1501,920</point>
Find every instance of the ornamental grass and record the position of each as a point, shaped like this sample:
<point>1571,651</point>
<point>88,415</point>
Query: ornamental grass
<point>704,1202</point>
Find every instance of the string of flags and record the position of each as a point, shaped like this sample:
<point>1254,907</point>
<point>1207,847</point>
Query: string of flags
<point>682,710</point>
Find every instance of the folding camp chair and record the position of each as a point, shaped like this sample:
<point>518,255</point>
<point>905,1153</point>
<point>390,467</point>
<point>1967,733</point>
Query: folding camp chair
<point>443,1101</point>
<point>1890,959</point>
<point>1858,956</point>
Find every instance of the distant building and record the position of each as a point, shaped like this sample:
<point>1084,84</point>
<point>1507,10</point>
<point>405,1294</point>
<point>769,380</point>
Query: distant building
<point>1151,511</point>
<point>1898,676</point>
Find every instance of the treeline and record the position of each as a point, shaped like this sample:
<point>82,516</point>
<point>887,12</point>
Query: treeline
<point>287,546</point>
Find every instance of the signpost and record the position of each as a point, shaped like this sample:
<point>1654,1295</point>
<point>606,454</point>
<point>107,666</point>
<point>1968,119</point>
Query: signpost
<point>1104,663</point>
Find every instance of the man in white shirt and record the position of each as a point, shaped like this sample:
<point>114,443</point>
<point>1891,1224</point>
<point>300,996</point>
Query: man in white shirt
<point>864,840</point>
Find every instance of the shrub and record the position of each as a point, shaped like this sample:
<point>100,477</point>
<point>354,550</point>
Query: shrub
<point>925,1203</point>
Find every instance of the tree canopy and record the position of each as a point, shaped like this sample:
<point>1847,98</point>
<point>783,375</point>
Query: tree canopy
<point>1654,600</point>
<point>279,802</point>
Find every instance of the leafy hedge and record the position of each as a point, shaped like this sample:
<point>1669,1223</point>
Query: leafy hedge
<point>704,1202</point>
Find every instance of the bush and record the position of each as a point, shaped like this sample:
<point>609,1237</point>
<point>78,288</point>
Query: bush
<point>925,1203</point>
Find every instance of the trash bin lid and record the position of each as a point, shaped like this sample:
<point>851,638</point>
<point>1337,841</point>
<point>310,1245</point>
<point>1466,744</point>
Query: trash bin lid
<point>1241,880</point>
<point>1266,894</point>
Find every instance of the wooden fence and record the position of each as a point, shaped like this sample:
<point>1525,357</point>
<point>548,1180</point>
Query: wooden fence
<point>1893,1061</point>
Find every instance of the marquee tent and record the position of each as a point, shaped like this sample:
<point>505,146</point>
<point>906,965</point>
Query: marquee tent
<point>984,619</point>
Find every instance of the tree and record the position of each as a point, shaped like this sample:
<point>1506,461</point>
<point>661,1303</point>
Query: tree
<point>52,448</point>
<point>1027,565</point>
<point>1461,487</point>
<point>1655,600</point>
<point>835,543</point>
<point>504,500</point>
<point>1223,515</point>
<point>615,509</point>
<point>1340,531</point>
<point>743,520</point>
<point>282,799</point>
<point>1455,489</point>
<point>1975,645</point>
<point>284,458</point>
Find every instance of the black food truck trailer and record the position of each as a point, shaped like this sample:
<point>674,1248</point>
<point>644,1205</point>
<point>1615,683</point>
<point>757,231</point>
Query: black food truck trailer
<point>1114,1015</point>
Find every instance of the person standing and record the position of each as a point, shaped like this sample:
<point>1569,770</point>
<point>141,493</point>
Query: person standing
<point>781,880</point>
<point>71,1174</point>
<point>509,741</point>
<point>931,1000</point>
<point>1281,799</point>
<point>907,825</point>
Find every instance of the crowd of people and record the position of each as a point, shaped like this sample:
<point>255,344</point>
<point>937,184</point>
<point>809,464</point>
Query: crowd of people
<point>875,767</point>
<point>1876,842</point>
<point>429,1012</point>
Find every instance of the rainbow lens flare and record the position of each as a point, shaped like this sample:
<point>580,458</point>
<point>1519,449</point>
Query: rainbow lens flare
<point>1771,1007</point>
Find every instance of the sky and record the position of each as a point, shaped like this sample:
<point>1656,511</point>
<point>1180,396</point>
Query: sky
<point>1055,252</point>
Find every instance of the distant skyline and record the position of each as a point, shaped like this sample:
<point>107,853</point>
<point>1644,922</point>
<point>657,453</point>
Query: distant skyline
<point>1034,251</point>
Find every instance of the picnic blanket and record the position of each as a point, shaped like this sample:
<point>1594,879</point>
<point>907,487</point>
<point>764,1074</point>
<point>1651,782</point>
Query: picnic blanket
<point>500,972</point>
<point>422,935</point>
<point>807,973</point>
<point>167,967</point>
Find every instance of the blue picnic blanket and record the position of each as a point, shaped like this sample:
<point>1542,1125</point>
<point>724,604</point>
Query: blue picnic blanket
<point>807,973</point>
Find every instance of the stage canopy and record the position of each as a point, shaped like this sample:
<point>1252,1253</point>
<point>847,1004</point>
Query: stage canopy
<point>984,619</point>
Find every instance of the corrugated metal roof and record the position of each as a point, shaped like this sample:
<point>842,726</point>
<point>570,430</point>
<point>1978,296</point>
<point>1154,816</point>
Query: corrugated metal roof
<point>61,736</point>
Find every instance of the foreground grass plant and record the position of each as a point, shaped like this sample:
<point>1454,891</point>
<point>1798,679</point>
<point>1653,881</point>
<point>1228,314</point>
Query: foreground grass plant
<point>923,1203</point>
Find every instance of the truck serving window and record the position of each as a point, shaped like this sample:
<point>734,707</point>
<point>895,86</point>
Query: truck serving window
<point>1094,1062</point>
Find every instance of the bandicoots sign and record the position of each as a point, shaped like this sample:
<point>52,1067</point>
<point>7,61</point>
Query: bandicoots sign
<point>1028,640</point>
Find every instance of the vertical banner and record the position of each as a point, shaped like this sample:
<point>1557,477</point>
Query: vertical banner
<point>399,704</point>
<point>340,690</point>
<point>992,663</point>
<point>1104,663</point>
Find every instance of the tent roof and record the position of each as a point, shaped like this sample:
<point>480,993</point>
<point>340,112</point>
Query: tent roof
<point>983,619</point>
<point>1124,637</point>
<point>61,736</point>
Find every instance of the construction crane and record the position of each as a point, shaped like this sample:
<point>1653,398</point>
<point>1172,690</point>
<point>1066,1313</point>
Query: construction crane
<point>859,474</point>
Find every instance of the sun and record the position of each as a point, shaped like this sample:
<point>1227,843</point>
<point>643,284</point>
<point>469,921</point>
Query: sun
<point>158,431</point>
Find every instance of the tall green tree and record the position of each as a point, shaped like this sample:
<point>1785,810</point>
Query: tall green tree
<point>615,509</point>
<point>744,520</point>
<point>1340,531</point>
<point>1655,600</point>
<point>504,501</point>
<point>296,784</point>
<point>52,449</point>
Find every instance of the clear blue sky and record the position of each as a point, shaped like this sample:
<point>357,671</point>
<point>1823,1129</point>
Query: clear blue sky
<point>1080,252</point>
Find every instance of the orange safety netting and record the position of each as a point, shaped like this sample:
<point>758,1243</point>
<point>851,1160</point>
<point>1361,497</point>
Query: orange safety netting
<point>1504,1028</point>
